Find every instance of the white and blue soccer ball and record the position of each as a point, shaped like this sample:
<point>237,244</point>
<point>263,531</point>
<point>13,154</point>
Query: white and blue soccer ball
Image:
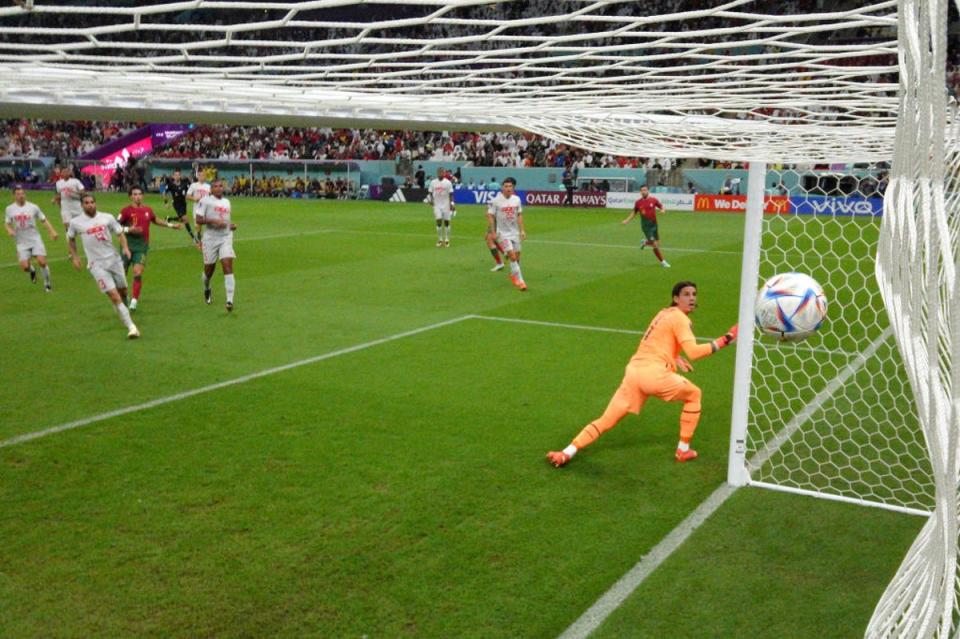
<point>790,306</point>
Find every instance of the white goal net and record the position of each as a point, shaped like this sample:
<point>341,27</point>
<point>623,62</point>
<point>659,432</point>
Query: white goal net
<point>833,415</point>
<point>868,411</point>
<point>802,80</point>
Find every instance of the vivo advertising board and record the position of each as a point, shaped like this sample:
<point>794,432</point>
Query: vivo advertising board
<point>845,206</point>
<point>670,201</point>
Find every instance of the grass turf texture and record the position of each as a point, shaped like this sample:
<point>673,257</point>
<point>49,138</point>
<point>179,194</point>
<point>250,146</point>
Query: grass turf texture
<point>398,490</point>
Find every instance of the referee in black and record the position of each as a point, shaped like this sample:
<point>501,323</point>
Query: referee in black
<point>177,189</point>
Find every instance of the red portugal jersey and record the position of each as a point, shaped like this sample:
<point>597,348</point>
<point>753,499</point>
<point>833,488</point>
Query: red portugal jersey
<point>140,216</point>
<point>647,207</point>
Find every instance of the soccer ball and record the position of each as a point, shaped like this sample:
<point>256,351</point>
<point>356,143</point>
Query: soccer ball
<point>790,306</point>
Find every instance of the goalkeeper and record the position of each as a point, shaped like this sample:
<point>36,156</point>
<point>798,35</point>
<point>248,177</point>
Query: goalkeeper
<point>652,371</point>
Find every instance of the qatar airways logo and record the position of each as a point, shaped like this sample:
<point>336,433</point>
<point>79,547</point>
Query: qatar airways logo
<point>557,198</point>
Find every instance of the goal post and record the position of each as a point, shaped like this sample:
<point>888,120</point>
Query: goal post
<point>750,266</point>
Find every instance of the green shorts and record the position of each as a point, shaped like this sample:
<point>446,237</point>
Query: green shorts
<point>650,229</point>
<point>138,255</point>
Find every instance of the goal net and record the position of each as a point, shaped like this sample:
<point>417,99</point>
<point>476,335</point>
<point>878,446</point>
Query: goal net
<point>866,411</point>
<point>786,81</point>
<point>832,415</point>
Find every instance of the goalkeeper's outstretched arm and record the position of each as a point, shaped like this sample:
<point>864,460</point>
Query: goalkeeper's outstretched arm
<point>696,351</point>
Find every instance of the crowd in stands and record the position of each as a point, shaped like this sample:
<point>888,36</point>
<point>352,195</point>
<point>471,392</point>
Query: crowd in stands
<point>320,143</point>
<point>294,186</point>
<point>61,139</point>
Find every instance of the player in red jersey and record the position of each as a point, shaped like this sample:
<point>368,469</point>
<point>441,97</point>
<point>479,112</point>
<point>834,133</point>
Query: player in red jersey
<point>646,207</point>
<point>136,220</point>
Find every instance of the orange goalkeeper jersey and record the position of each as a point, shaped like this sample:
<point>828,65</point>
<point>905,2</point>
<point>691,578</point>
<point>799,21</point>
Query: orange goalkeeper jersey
<point>669,332</point>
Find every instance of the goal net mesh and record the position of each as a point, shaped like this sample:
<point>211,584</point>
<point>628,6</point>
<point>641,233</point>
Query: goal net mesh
<point>833,414</point>
<point>798,81</point>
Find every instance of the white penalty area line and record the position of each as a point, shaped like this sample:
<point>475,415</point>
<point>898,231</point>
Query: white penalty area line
<point>86,421</point>
<point>618,593</point>
<point>19,439</point>
<point>633,247</point>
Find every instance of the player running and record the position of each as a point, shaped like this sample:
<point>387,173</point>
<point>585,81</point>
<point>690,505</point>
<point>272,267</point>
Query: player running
<point>176,189</point>
<point>647,207</point>
<point>441,194</point>
<point>196,192</point>
<point>136,220</point>
<point>214,212</point>
<point>505,218</point>
<point>652,372</point>
<point>21,223</point>
<point>69,192</point>
<point>97,229</point>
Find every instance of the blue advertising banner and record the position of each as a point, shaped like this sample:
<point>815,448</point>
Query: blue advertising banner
<point>479,196</point>
<point>826,205</point>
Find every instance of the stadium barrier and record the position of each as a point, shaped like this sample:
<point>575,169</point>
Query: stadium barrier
<point>772,204</point>
<point>670,201</point>
<point>845,206</point>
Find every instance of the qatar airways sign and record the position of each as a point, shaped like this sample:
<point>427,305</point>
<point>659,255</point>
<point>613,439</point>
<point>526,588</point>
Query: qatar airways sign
<point>588,199</point>
<point>581,199</point>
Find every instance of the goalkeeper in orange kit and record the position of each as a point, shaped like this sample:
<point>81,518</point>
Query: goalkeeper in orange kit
<point>652,372</point>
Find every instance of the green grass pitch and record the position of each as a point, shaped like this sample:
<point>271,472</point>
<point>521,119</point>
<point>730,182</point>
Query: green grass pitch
<point>397,489</point>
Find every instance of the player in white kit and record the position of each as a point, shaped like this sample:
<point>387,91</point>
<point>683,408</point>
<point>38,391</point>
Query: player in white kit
<point>96,230</point>
<point>441,194</point>
<point>69,192</point>
<point>215,213</point>
<point>196,192</point>
<point>505,218</point>
<point>21,223</point>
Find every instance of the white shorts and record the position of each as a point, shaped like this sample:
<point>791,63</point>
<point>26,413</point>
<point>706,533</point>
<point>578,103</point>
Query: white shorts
<point>217,248</point>
<point>66,216</point>
<point>442,214</point>
<point>26,250</point>
<point>508,244</point>
<point>109,275</point>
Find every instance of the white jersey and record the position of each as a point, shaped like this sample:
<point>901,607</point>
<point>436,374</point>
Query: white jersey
<point>97,235</point>
<point>24,221</point>
<point>440,190</point>
<point>219,210</point>
<point>196,192</point>
<point>506,211</point>
<point>70,192</point>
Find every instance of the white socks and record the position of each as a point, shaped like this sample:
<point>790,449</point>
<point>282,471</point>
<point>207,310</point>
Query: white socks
<point>440,232</point>
<point>515,269</point>
<point>124,314</point>
<point>46,274</point>
<point>683,446</point>
<point>446,232</point>
<point>229,284</point>
<point>570,451</point>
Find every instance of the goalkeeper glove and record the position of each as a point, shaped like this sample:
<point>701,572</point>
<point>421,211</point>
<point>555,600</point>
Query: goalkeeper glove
<point>725,340</point>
